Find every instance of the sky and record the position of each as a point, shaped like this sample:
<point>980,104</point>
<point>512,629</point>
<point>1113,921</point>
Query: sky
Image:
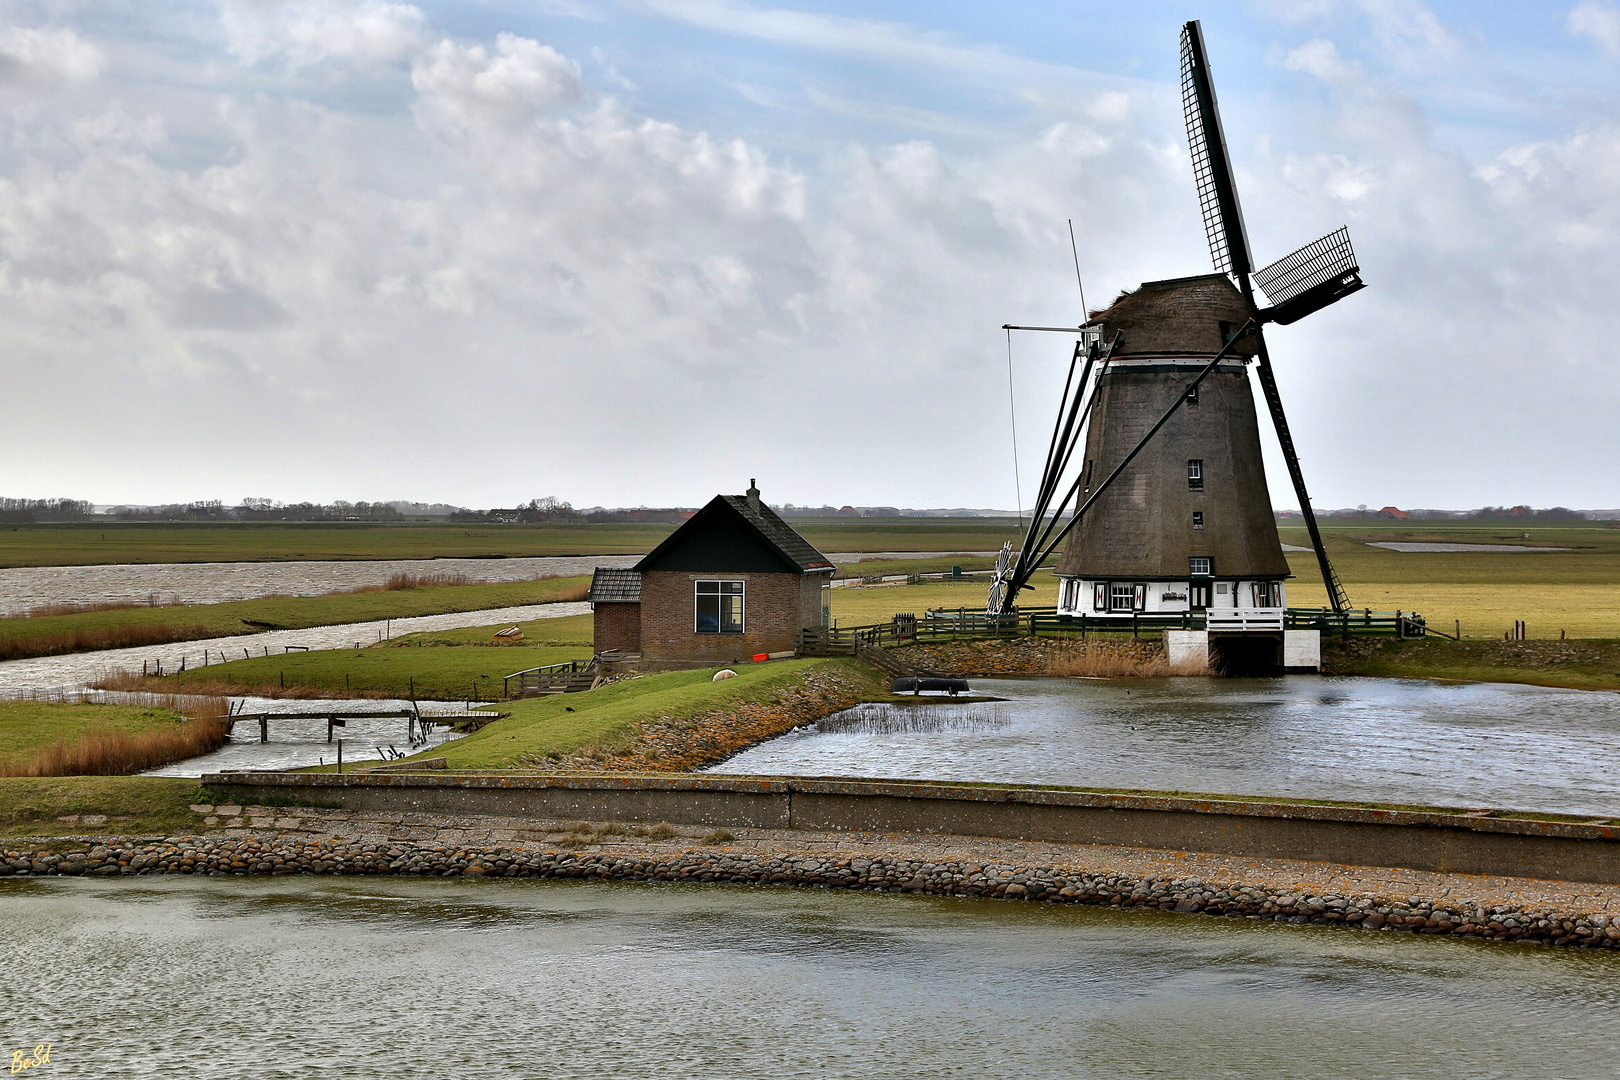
<point>636,253</point>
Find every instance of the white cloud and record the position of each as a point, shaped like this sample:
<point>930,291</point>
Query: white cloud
<point>1597,21</point>
<point>302,33</point>
<point>47,55</point>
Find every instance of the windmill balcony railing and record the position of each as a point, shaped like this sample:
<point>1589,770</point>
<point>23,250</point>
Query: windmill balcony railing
<point>1244,620</point>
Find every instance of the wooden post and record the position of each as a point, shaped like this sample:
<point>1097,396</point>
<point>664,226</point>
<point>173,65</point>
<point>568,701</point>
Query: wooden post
<point>264,729</point>
<point>340,755</point>
<point>329,729</point>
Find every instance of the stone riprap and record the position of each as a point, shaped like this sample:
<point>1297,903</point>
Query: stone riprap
<point>282,841</point>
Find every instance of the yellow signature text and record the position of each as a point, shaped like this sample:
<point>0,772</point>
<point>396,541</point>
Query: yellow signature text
<point>21,1059</point>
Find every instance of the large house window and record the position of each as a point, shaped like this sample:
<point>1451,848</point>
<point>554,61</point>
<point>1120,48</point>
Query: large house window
<point>719,607</point>
<point>1195,474</point>
<point>1200,566</point>
<point>1125,596</point>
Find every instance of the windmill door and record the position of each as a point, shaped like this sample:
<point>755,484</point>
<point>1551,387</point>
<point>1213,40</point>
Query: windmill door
<point>1198,597</point>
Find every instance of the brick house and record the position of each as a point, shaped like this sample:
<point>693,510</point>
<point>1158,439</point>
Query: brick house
<point>732,582</point>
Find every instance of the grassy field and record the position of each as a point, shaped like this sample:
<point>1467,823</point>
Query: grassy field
<point>1572,590</point>
<point>554,726</point>
<point>50,634</point>
<point>26,726</point>
<point>439,672</point>
<point>93,543</point>
<point>568,630</point>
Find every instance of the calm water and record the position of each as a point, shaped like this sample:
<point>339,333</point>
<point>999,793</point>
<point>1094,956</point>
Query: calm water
<point>1388,740</point>
<point>66,674</point>
<point>383,978</point>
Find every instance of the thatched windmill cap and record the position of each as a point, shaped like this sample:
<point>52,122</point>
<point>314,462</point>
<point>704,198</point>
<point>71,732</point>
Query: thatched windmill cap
<point>1176,316</point>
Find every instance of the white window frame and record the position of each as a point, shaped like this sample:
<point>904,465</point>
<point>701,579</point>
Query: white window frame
<point>1195,474</point>
<point>720,592</point>
<point>1200,566</point>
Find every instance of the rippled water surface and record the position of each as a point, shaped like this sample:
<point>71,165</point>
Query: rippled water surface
<point>386,978</point>
<point>295,743</point>
<point>1386,740</point>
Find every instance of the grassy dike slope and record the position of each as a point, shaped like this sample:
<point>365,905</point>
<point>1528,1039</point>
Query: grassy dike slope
<point>662,720</point>
<point>84,631</point>
<point>132,805</point>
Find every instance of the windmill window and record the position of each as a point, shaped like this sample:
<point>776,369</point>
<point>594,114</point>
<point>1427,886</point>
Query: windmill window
<point>1195,474</point>
<point>1121,596</point>
<point>1099,597</point>
<point>1200,566</point>
<point>718,607</point>
<point>1192,395</point>
<point>1198,519</point>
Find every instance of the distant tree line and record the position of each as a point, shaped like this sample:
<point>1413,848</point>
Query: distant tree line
<point>23,511</point>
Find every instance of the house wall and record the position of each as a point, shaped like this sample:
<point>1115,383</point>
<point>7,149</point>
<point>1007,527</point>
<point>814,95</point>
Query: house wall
<point>616,626</point>
<point>775,607</point>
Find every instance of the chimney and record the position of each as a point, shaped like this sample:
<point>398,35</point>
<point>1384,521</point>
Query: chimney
<point>753,494</point>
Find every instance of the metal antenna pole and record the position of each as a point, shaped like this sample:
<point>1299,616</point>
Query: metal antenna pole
<point>1075,250</point>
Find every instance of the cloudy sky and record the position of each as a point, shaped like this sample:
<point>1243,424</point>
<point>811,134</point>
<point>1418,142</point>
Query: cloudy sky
<point>636,253</point>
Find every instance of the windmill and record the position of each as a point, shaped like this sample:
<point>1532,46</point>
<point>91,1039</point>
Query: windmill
<point>1163,379</point>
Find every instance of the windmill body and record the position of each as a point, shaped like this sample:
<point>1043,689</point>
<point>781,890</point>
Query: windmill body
<point>1188,525</point>
<point>1154,487</point>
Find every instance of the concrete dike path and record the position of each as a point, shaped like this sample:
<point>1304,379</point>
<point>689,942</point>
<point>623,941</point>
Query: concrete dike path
<point>242,839</point>
<point>1437,840</point>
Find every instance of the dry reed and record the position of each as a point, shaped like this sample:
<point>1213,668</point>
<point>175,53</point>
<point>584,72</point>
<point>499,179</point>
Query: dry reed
<point>93,639</point>
<point>1109,660</point>
<point>120,753</point>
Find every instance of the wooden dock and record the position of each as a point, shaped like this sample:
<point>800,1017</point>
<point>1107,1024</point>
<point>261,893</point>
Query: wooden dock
<point>340,718</point>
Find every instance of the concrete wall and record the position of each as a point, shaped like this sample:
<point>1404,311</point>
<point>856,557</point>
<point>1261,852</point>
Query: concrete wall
<point>775,607</point>
<point>1183,646</point>
<point>1302,650</point>
<point>1347,835</point>
<point>616,626</point>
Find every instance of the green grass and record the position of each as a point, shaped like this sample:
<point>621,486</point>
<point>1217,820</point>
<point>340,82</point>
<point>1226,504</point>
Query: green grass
<point>285,613</point>
<point>554,726</point>
<point>1578,665</point>
<point>880,567</point>
<point>91,543</point>
<point>134,805</point>
<point>438,672</point>
<point>30,725</point>
<point>568,630</point>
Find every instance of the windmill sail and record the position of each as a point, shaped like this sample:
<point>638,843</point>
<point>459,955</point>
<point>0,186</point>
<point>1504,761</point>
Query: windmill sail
<point>1310,279</point>
<point>1212,168</point>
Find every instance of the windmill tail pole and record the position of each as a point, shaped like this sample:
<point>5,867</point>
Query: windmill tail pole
<point>1268,383</point>
<point>1026,571</point>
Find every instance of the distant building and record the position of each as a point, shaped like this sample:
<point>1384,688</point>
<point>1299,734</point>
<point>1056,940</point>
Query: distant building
<point>732,582</point>
<point>1394,512</point>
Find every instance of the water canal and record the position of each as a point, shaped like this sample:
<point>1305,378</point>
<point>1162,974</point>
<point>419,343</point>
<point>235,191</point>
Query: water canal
<point>255,978</point>
<point>1381,740</point>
